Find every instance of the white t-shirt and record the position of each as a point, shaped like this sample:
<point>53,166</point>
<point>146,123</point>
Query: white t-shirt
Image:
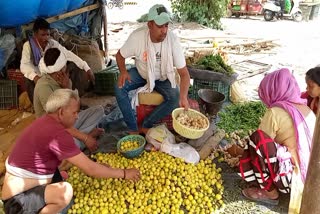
<point>136,46</point>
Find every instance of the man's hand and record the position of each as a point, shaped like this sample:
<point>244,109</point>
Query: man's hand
<point>122,78</point>
<point>90,76</point>
<point>35,79</point>
<point>91,143</point>
<point>63,79</point>
<point>184,103</point>
<point>132,174</point>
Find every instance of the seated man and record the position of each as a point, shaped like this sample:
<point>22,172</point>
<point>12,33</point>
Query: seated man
<point>27,186</point>
<point>54,76</point>
<point>33,50</point>
<point>156,51</point>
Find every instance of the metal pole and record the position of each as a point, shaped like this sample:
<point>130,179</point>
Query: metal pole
<point>310,203</point>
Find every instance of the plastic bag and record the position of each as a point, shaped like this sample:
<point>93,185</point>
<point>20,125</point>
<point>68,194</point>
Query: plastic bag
<point>7,46</point>
<point>237,94</point>
<point>296,192</point>
<point>181,150</point>
<point>159,135</point>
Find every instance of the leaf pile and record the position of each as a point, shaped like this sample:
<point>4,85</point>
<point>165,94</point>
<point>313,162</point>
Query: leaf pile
<point>214,63</point>
<point>241,116</point>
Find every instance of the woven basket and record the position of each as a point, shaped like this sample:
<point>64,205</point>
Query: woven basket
<point>135,152</point>
<point>184,130</point>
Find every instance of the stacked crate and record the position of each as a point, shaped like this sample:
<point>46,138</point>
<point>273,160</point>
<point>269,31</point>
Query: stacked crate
<point>8,94</point>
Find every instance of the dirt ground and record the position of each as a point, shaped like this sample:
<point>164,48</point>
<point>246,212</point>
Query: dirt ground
<point>297,47</point>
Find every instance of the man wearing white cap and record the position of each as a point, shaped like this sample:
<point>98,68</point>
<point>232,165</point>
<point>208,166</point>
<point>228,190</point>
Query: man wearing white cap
<point>157,51</point>
<point>54,76</point>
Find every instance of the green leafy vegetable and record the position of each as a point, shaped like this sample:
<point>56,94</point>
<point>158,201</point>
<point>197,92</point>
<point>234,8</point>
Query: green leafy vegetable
<point>214,63</point>
<point>242,116</point>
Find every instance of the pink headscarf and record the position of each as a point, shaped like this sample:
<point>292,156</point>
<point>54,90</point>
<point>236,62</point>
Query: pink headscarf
<point>280,89</point>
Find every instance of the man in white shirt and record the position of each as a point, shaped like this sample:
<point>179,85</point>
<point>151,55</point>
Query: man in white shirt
<point>33,50</point>
<point>157,51</point>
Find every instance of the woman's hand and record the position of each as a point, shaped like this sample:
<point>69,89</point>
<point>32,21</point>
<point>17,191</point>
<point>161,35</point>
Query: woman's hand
<point>132,174</point>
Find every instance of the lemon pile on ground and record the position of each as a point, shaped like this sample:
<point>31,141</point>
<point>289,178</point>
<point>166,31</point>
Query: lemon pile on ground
<point>167,185</point>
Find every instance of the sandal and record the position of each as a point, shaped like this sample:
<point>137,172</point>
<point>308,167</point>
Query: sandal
<point>258,195</point>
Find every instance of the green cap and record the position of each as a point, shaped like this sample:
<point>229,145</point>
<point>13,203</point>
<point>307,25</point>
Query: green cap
<point>159,14</point>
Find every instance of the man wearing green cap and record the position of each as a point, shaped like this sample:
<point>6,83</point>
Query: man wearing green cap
<point>157,51</point>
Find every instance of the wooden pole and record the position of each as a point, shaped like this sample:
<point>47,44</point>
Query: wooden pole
<point>65,15</point>
<point>105,33</point>
<point>310,203</point>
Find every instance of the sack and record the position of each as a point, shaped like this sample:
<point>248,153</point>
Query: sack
<point>159,135</point>
<point>236,93</point>
<point>7,46</point>
<point>181,150</point>
<point>88,50</point>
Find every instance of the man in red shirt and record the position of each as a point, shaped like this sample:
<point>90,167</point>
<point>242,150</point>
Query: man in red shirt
<point>28,186</point>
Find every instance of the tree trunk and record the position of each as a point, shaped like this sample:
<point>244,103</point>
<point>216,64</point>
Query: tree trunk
<point>311,193</point>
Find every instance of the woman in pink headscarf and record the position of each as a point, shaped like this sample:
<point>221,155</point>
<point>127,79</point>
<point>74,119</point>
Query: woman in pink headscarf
<point>282,142</point>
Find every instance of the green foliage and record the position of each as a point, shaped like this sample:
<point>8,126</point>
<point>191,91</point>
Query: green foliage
<point>214,63</point>
<point>205,12</point>
<point>241,116</point>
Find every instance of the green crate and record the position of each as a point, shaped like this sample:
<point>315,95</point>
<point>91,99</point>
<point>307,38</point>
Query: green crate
<point>214,85</point>
<point>8,94</point>
<point>105,80</point>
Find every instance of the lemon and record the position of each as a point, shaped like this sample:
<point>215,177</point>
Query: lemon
<point>167,185</point>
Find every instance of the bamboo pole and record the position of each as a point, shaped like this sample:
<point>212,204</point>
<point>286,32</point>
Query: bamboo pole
<point>105,33</point>
<point>311,197</point>
<point>65,15</point>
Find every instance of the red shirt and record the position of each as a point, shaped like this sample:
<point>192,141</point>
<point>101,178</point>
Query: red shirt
<point>42,146</point>
<point>311,102</point>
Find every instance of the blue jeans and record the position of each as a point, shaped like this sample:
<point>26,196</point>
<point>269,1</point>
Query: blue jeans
<point>170,96</point>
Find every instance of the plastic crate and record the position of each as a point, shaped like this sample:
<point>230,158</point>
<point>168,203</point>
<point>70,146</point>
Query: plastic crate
<point>19,77</point>
<point>8,94</point>
<point>144,110</point>
<point>214,85</point>
<point>105,80</point>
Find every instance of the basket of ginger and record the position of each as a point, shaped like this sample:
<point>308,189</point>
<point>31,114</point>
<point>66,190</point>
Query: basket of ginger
<point>190,124</point>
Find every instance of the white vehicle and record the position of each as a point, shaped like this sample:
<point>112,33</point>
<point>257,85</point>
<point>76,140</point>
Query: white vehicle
<point>116,3</point>
<point>272,9</point>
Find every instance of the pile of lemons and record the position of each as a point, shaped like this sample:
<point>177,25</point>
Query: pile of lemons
<point>129,145</point>
<point>167,185</point>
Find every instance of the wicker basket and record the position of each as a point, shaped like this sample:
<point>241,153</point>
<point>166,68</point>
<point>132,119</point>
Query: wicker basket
<point>135,152</point>
<point>184,130</point>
